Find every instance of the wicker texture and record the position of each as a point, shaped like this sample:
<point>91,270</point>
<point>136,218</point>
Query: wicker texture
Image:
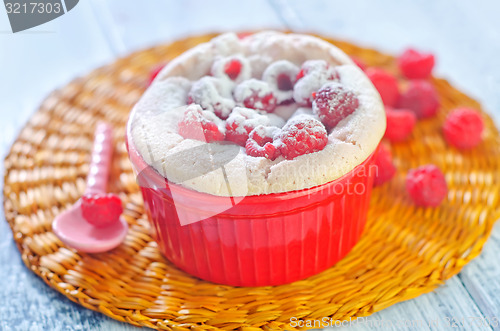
<point>404,252</point>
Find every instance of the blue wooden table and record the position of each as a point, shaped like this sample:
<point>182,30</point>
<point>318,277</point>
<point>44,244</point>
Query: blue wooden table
<point>465,36</point>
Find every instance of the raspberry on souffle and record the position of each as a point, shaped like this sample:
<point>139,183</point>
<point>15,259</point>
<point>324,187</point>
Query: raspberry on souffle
<point>237,68</point>
<point>312,75</point>
<point>255,94</point>
<point>420,97</point>
<point>280,75</point>
<point>242,121</point>
<point>302,134</point>
<point>212,94</point>
<point>200,125</point>
<point>334,102</point>
<point>260,142</point>
<point>321,66</point>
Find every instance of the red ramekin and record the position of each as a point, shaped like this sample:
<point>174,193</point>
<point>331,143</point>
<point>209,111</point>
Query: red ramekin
<point>269,239</point>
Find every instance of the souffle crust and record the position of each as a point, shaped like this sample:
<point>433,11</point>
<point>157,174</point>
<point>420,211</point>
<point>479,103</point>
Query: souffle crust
<point>261,105</point>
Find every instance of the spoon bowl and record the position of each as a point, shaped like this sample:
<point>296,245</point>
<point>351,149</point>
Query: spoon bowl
<point>74,231</point>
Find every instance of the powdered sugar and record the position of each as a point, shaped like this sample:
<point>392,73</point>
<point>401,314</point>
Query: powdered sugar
<point>256,94</point>
<point>271,132</point>
<point>201,125</point>
<point>243,120</point>
<point>212,94</point>
<point>280,76</point>
<point>246,117</point>
<point>209,116</point>
<point>316,74</point>
<point>220,68</point>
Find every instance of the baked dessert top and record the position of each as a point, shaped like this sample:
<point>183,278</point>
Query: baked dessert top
<point>267,113</point>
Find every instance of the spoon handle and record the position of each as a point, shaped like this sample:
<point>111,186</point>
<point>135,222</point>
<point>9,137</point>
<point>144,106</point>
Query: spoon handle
<point>97,179</point>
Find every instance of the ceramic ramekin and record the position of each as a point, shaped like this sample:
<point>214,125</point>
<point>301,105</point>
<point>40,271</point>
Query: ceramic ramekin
<point>266,239</point>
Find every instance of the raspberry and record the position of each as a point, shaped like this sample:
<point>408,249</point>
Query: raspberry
<point>302,134</point>
<point>426,186</point>
<point>385,168</point>
<point>284,82</point>
<point>416,65</point>
<point>360,63</point>
<point>260,142</point>
<point>255,94</point>
<point>300,75</point>
<point>101,209</point>
<point>319,66</point>
<point>333,103</point>
<point>386,84</point>
<point>212,94</point>
<point>421,97</point>
<point>156,70</point>
<point>232,68</point>
<point>312,76</point>
<point>463,128</point>
<point>243,35</point>
<point>280,76</point>
<point>400,124</point>
<point>200,125</point>
<point>264,134</point>
<point>241,122</point>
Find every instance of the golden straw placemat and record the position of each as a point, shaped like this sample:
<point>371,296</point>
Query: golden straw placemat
<point>404,252</point>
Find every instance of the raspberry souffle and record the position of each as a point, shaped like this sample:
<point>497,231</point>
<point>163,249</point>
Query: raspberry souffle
<point>253,155</point>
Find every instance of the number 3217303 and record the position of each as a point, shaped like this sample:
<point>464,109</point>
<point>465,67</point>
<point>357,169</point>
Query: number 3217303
<point>33,8</point>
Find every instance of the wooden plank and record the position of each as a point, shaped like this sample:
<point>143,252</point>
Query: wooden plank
<point>35,62</point>
<point>482,279</point>
<point>139,24</point>
<point>448,307</point>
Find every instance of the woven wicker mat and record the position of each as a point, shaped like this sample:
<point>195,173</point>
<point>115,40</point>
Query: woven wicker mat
<point>405,251</point>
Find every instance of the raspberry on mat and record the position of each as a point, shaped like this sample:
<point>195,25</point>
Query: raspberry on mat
<point>400,124</point>
<point>463,128</point>
<point>420,97</point>
<point>426,186</point>
<point>386,85</point>
<point>385,168</point>
<point>416,65</point>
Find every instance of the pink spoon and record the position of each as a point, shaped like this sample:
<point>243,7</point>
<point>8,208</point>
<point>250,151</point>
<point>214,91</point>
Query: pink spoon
<point>70,226</point>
